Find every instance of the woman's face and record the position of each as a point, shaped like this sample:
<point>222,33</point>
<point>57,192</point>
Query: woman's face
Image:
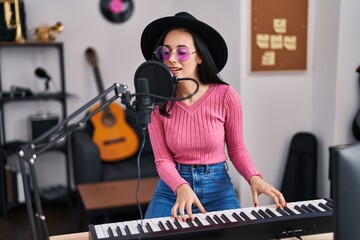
<point>179,38</point>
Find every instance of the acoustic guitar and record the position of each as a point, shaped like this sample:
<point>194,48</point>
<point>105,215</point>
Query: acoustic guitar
<point>113,135</point>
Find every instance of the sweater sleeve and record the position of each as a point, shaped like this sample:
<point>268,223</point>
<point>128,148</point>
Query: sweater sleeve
<point>237,151</point>
<point>165,164</point>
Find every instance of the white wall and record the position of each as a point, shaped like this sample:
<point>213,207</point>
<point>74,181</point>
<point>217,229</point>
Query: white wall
<point>323,99</point>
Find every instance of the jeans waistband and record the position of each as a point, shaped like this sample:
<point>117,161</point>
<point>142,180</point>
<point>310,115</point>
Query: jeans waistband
<point>202,168</point>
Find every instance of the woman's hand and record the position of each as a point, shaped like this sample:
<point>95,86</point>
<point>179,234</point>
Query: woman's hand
<point>259,186</point>
<point>186,197</point>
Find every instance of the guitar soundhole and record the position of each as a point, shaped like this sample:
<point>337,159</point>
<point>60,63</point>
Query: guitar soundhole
<point>108,119</point>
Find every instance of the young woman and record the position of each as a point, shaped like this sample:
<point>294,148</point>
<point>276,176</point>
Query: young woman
<point>189,137</point>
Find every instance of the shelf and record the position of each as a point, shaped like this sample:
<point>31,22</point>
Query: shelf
<point>30,44</point>
<point>7,97</point>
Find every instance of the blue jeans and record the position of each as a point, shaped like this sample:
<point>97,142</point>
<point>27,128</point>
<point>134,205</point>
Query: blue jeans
<point>211,183</point>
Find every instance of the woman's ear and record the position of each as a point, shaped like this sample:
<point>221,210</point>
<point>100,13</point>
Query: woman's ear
<point>199,59</point>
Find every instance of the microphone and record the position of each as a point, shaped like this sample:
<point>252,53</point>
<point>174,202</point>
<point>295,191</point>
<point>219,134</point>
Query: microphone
<point>41,73</point>
<point>143,102</point>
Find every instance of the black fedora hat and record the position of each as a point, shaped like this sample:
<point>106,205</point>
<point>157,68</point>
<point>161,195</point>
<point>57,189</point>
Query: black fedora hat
<point>212,38</point>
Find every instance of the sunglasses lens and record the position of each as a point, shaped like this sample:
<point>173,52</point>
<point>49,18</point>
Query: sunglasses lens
<point>182,54</point>
<point>162,53</point>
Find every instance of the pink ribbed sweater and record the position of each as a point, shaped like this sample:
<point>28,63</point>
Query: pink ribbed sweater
<point>197,134</point>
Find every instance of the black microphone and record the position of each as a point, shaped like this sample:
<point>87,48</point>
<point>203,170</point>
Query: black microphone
<point>41,73</point>
<point>143,102</point>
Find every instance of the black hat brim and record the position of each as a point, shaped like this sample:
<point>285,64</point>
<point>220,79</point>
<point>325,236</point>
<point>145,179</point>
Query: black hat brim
<point>214,41</point>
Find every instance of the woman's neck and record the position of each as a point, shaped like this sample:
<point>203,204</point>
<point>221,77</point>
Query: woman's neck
<point>185,88</point>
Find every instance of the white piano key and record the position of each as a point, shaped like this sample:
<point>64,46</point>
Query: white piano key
<point>129,225</point>
<point>99,231</point>
<point>154,225</point>
<point>134,226</point>
<point>121,227</point>
<point>183,224</point>
<point>113,229</point>
<point>105,227</point>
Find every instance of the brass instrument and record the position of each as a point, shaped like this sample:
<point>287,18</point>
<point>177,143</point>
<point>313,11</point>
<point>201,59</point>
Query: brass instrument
<point>47,33</point>
<point>19,37</point>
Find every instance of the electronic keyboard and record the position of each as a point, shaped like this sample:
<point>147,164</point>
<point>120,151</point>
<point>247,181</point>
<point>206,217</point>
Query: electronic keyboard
<point>263,222</point>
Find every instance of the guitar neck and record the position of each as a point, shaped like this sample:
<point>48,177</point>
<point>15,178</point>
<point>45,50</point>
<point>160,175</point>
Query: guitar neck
<point>99,83</point>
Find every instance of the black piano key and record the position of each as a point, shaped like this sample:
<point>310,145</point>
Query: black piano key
<point>330,205</point>
<point>161,226</point>
<point>208,218</point>
<point>217,219</point>
<point>148,227</point>
<point>329,200</point>
<point>127,230</point>
<point>306,208</point>
<point>119,231</point>
<point>246,217</point>
<point>225,218</point>
<point>300,209</point>
<point>140,228</point>
<point>314,208</point>
<point>177,224</point>
<point>237,217</point>
<point>263,214</point>
<point>189,222</point>
<point>196,219</point>
<point>268,211</point>
<point>109,230</point>
<point>323,206</point>
<point>170,226</point>
<point>255,214</point>
<point>282,212</point>
<point>289,211</point>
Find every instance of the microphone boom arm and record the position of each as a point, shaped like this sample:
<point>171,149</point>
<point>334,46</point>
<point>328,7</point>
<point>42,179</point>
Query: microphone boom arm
<point>29,152</point>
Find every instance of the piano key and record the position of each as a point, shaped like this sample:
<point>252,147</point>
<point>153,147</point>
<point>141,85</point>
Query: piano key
<point>300,209</point>
<point>154,226</point>
<point>247,212</point>
<point>197,220</point>
<point>109,231</point>
<point>237,217</point>
<point>118,231</point>
<point>271,213</point>
<point>246,217</point>
<point>225,218</point>
<point>148,227</point>
<point>306,208</point>
<point>141,226</point>
<point>162,226</point>
<point>112,227</point>
<point>177,224</point>
<point>121,227</point>
<point>282,212</point>
<point>229,215</point>
<point>218,219</point>
<point>255,214</point>
<point>105,227</point>
<point>184,224</point>
<point>210,220</point>
<point>134,225</point>
<point>263,213</point>
<point>190,223</point>
<point>325,207</point>
<point>169,224</point>
<point>314,208</point>
<point>127,230</point>
<point>99,231</point>
<point>289,211</point>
